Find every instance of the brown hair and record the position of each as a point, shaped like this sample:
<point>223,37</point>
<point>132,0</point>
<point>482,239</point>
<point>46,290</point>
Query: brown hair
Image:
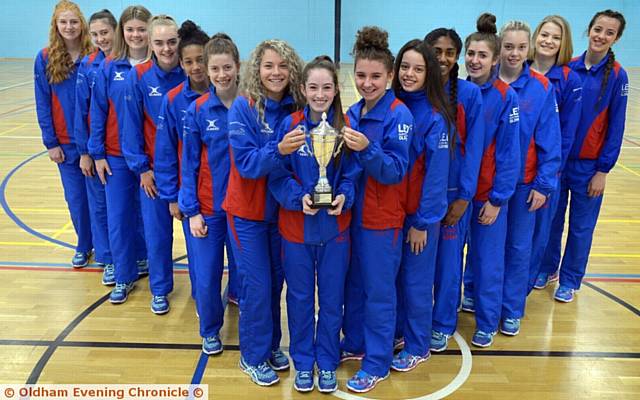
<point>612,57</point>
<point>372,43</point>
<point>487,32</point>
<point>120,48</point>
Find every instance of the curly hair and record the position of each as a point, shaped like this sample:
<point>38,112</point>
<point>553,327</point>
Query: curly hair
<point>60,64</point>
<point>251,84</point>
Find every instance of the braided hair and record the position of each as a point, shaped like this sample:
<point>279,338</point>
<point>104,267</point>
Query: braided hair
<point>612,58</point>
<point>431,39</point>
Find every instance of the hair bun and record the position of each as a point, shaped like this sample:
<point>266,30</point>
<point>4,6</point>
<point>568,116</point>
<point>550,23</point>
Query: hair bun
<point>371,37</point>
<point>187,29</point>
<point>487,24</point>
<point>323,57</point>
<point>221,35</point>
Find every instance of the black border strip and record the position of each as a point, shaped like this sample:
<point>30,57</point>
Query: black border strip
<point>612,297</point>
<point>337,10</point>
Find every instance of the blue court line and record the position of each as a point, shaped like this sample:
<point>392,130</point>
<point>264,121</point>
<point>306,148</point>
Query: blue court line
<point>14,217</point>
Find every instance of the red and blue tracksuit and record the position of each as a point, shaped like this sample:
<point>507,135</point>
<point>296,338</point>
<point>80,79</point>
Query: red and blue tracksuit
<point>540,157</point>
<point>313,245</point>
<point>124,219</point>
<point>595,149</point>
<point>568,90</point>
<point>376,231</point>
<point>252,216</point>
<point>95,190</point>
<point>426,206</point>
<point>146,85</point>
<point>168,154</point>
<point>463,178</point>
<point>499,172</point>
<point>55,107</point>
<point>204,177</point>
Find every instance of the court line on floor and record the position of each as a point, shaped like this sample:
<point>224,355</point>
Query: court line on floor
<point>14,217</point>
<point>613,297</point>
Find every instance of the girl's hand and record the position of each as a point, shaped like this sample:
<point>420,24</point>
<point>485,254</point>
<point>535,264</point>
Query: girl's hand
<point>175,212</point>
<point>355,140</point>
<point>148,183</point>
<point>306,205</point>
<point>455,212</point>
<point>417,240</point>
<point>197,226</point>
<point>102,169</point>
<point>337,205</point>
<point>597,184</point>
<point>86,166</point>
<point>536,199</point>
<point>488,213</point>
<point>56,154</point>
<point>291,141</point>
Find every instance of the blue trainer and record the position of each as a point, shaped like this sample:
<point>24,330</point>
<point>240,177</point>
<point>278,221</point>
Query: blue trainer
<point>278,361</point>
<point>542,280</point>
<point>109,275</point>
<point>564,294</point>
<point>160,305</point>
<point>439,341</point>
<point>80,259</point>
<point>120,293</point>
<point>482,339</point>
<point>404,361</point>
<point>468,304</point>
<point>347,355</point>
<point>327,381</point>
<point>510,326</point>
<point>260,374</point>
<point>143,267</point>
<point>363,382</point>
<point>212,345</point>
<point>303,381</point>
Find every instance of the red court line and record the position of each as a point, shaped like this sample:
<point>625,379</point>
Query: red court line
<point>632,142</point>
<point>62,269</point>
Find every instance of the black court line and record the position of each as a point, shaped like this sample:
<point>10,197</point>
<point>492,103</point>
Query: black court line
<point>612,297</point>
<point>37,370</point>
<point>175,260</point>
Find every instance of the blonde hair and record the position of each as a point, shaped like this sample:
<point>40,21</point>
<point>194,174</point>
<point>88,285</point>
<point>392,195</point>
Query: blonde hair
<point>251,85</point>
<point>566,44</point>
<point>515,26</point>
<point>60,64</point>
<point>120,47</point>
<point>159,20</point>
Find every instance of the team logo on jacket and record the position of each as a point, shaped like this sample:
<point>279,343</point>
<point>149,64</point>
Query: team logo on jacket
<point>212,125</point>
<point>625,90</point>
<point>403,131</point>
<point>266,128</point>
<point>153,91</point>
<point>514,116</point>
<point>556,103</point>
<point>443,142</point>
<point>304,151</point>
<point>160,124</point>
<point>118,75</point>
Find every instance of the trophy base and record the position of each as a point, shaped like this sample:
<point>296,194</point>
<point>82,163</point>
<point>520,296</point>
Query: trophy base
<point>322,200</point>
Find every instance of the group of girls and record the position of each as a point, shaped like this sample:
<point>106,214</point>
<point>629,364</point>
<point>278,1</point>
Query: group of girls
<point>428,166</point>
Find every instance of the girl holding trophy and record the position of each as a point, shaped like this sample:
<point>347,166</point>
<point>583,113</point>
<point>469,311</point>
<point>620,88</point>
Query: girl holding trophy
<point>315,236</point>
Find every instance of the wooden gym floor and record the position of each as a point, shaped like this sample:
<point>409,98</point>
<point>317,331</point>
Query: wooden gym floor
<point>58,326</point>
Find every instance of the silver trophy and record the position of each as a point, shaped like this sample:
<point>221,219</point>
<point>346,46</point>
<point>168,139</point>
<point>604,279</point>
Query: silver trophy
<point>326,143</point>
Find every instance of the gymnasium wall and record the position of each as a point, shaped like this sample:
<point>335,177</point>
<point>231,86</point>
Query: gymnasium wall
<point>308,24</point>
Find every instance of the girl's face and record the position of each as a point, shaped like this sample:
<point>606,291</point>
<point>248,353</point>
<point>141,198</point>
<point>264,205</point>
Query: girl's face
<point>319,90</point>
<point>223,72</point>
<point>372,78</point>
<point>548,40</point>
<point>102,34</point>
<point>135,34</point>
<point>515,46</point>
<point>274,74</point>
<point>193,63</point>
<point>446,54</point>
<point>603,34</point>
<point>69,25</point>
<point>164,44</point>
<point>413,71</point>
<point>479,60</point>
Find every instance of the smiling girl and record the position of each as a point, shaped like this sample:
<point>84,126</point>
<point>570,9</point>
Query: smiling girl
<point>55,74</point>
<point>146,85</point>
<point>271,85</point>
<point>594,152</point>
<point>551,51</point>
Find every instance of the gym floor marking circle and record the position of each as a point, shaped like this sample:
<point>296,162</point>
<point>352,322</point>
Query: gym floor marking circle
<point>459,380</point>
